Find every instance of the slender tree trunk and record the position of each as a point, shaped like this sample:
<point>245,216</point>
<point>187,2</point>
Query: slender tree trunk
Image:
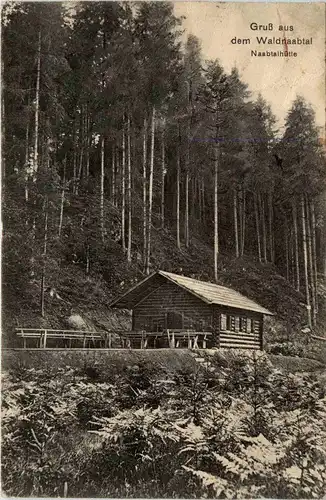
<point>123,189</point>
<point>178,190</point>
<point>81,148</point>
<point>292,259</point>
<point>235,218</point>
<point>62,198</point>
<point>87,142</point>
<point>37,105</point>
<point>296,244</point>
<point>256,207</point>
<point>305,260</point>
<point>314,250</point>
<point>113,176</point>
<point>87,259</point>
<point>243,233</point>
<point>26,161</point>
<point>262,204</point>
<point>163,179</point>
<point>187,209</point>
<point>79,175</point>
<point>286,239</point>
<point>203,200</point>
<point>145,192</point>
<point>129,192</point>
<point>150,193</point>
<point>3,139</point>
<point>102,188</point>
<point>200,201</point>
<point>310,264</point>
<point>45,243</point>
<point>270,225</point>
<point>216,242</point>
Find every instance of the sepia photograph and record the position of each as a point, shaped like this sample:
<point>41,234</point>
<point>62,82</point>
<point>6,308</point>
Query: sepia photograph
<point>163,300</point>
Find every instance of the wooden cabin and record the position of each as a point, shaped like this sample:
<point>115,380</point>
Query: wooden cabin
<point>166,304</point>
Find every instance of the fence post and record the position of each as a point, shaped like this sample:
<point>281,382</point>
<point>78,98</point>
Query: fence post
<point>44,340</point>
<point>24,338</point>
<point>204,342</point>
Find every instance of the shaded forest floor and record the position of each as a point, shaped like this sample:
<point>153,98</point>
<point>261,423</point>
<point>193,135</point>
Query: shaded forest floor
<point>71,291</point>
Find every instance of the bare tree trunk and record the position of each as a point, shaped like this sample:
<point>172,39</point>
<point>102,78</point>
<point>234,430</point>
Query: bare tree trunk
<point>256,207</point>
<point>235,219</point>
<point>88,141</point>
<point>310,264</point>
<point>79,175</point>
<point>203,200</point>
<point>305,259</point>
<point>123,189</point>
<point>216,242</point>
<point>314,250</point>
<point>200,200</point>
<point>292,259</point>
<point>296,244</point>
<point>113,176</point>
<point>286,239</point>
<point>163,178</point>
<point>102,189</point>
<point>178,191</point>
<point>81,148</point>
<point>145,192</point>
<point>62,197</point>
<point>37,106</point>
<point>243,232</point>
<point>270,225</point>
<point>129,192</point>
<point>262,204</point>
<point>187,209</point>
<point>45,243</point>
<point>150,193</point>
<point>87,259</point>
<point>26,161</point>
<point>3,138</point>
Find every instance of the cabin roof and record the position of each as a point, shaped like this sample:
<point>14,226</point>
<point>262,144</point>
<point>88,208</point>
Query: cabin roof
<point>210,293</point>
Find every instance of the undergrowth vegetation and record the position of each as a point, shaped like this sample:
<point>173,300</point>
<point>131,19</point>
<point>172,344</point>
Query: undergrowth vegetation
<point>235,430</point>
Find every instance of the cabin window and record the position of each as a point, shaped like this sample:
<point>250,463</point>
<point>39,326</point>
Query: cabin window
<point>249,325</point>
<point>237,324</point>
<point>231,323</point>
<point>223,322</point>
<point>256,326</point>
<point>243,324</point>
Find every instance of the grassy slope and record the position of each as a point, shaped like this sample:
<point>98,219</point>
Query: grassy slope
<point>90,295</point>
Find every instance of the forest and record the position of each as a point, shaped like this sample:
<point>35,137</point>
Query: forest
<point>118,136</point>
<point>124,151</point>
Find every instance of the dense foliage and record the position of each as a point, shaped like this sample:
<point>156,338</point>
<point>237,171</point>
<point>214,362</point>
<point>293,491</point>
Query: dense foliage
<point>235,428</point>
<point>119,138</point>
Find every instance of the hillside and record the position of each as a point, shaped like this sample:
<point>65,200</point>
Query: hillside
<point>89,296</point>
<point>126,151</point>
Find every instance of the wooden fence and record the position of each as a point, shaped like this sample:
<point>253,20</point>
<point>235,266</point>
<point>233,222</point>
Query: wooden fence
<point>47,338</point>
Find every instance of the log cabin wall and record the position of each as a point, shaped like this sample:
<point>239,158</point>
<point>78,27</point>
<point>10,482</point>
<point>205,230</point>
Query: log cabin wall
<point>168,306</point>
<point>238,328</point>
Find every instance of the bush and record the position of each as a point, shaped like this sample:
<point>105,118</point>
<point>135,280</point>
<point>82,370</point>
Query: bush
<point>287,349</point>
<point>245,430</point>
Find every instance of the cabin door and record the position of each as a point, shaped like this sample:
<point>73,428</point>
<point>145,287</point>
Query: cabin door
<point>174,320</point>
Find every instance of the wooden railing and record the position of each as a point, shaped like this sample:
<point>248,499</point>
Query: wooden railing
<point>125,339</point>
<point>68,336</point>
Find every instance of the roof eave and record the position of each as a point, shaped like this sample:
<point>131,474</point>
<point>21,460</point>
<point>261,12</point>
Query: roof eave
<point>115,303</point>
